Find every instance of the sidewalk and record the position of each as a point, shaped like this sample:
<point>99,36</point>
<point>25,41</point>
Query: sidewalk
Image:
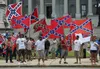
<point>50,63</point>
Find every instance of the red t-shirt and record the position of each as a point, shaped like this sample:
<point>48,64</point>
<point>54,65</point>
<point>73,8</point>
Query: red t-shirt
<point>63,45</point>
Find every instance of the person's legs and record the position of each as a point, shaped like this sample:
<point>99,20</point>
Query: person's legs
<point>95,57</point>
<point>80,55</point>
<point>92,57</point>
<point>7,52</point>
<point>99,54</point>
<point>62,55</point>
<point>39,56</point>
<point>10,56</point>
<point>30,54</point>
<point>76,55</point>
<point>84,53</point>
<point>14,53</point>
<point>57,52</point>
<point>23,54</point>
<point>42,56</point>
<point>19,55</point>
<point>65,56</point>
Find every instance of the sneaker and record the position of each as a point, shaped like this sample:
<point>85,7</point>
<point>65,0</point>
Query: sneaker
<point>79,62</point>
<point>59,62</point>
<point>24,62</point>
<point>38,64</point>
<point>76,63</point>
<point>18,63</point>
<point>65,62</point>
<point>43,64</point>
<point>11,61</point>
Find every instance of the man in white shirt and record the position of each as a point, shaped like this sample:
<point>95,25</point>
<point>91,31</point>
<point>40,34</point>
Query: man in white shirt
<point>77,46</point>
<point>40,49</point>
<point>21,47</point>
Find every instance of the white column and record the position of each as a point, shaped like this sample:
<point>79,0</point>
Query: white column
<point>17,0</point>
<point>29,7</point>
<point>65,7</point>
<point>90,7</point>
<point>41,9</point>
<point>6,2</point>
<point>78,15</point>
<point>53,15</point>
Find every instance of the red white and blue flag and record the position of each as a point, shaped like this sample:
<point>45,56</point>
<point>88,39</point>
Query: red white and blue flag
<point>40,25</point>
<point>83,26</point>
<point>57,27</point>
<point>34,16</point>
<point>14,10</point>
<point>20,22</point>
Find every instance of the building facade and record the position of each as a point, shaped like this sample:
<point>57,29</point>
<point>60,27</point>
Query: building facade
<point>57,8</point>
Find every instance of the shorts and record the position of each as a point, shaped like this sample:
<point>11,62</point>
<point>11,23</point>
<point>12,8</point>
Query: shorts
<point>77,54</point>
<point>41,54</point>
<point>64,53</point>
<point>93,51</point>
<point>21,52</point>
<point>29,52</point>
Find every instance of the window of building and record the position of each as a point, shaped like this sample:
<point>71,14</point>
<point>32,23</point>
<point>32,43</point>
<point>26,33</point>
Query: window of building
<point>48,11</point>
<point>83,11</point>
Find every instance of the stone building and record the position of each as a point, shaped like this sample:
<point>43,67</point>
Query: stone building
<point>76,8</point>
<point>55,8</point>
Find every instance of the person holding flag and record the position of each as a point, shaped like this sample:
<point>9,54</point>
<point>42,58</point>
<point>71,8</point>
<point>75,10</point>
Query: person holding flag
<point>9,45</point>
<point>64,51</point>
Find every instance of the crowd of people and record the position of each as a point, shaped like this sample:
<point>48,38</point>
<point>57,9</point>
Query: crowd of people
<point>23,48</point>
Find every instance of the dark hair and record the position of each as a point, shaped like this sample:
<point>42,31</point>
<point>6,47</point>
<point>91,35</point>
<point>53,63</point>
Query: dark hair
<point>77,37</point>
<point>22,35</point>
<point>9,37</point>
<point>99,39</point>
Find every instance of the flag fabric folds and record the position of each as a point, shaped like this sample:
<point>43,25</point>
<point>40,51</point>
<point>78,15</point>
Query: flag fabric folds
<point>34,15</point>
<point>40,25</point>
<point>20,22</point>
<point>57,27</point>
<point>83,26</point>
<point>14,10</point>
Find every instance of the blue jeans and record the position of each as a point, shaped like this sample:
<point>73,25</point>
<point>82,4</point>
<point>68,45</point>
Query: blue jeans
<point>58,52</point>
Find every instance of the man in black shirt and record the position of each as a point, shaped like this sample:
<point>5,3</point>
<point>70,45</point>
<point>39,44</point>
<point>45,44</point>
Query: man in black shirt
<point>47,45</point>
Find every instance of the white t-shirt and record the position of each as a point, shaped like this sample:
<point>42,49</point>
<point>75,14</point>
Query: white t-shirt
<point>55,43</point>
<point>40,44</point>
<point>77,45</point>
<point>21,43</point>
<point>93,46</point>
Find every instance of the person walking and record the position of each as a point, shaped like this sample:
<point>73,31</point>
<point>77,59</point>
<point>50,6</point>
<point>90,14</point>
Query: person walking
<point>54,48</point>
<point>58,52</point>
<point>9,45</point>
<point>77,47</point>
<point>40,47</point>
<point>21,41</point>
<point>47,45</point>
<point>29,49</point>
<point>93,50</point>
<point>64,51</point>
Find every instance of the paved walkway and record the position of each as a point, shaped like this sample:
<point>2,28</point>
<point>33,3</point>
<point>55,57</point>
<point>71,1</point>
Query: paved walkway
<point>50,62</point>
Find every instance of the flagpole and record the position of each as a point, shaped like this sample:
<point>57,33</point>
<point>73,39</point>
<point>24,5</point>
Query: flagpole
<point>29,26</point>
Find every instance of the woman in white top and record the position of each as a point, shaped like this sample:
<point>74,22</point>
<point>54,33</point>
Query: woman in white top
<point>93,50</point>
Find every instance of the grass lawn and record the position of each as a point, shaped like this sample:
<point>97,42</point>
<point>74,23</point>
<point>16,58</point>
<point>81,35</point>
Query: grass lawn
<point>71,54</point>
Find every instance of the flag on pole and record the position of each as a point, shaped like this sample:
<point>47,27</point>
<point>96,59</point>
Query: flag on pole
<point>20,22</point>
<point>14,10</point>
<point>83,26</point>
<point>34,16</point>
<point>40,25</point>
<point>57,27</point>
